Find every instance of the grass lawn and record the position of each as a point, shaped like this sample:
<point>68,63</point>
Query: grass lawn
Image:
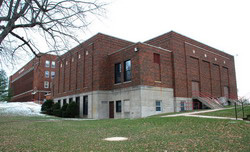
<point>146,134</point>
<point>229,112</point>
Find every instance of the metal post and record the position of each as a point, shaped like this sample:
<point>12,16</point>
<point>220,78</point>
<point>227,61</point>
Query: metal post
<point>242,106</point>
<point>235,111</point>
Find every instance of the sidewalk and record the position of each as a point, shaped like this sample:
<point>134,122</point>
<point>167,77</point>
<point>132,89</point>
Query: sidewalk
<point>193,114</point>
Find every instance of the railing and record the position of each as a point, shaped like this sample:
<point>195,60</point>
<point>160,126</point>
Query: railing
<point>208,97</point>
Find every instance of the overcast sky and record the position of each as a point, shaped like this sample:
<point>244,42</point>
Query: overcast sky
<point>222,24</point>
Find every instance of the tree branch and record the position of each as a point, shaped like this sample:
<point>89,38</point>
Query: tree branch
<point>25,42</point>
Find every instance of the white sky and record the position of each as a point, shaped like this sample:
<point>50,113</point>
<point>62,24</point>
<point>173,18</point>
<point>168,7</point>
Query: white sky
<point>222,24</point>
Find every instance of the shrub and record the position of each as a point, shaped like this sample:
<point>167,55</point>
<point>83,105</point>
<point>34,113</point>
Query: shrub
<point>72,110</point>
<point>63,110</point>
<point>47,107</point>
<point>56,110</point>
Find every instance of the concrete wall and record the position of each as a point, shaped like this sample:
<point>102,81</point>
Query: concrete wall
<point>138,101</point>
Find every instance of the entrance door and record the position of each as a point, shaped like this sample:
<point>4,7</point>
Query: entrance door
<point>226,91</point>
<point>195,89</point>
<point>111,109</point>
<point>85,105</point>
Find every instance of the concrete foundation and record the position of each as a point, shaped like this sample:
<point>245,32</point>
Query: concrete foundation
<point>136,102</point>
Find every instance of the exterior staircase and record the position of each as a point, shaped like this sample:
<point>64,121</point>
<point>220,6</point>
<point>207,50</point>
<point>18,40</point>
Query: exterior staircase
<point>207,100</point>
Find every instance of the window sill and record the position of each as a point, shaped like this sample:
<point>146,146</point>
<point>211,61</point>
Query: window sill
<point>157,81</point>
<point>127,81</point>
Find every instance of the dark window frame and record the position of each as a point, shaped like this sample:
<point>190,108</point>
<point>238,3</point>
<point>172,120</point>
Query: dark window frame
<point>158,108</point>
<point>126,72</point>
<point>118,106</point>
<point>118,72</point>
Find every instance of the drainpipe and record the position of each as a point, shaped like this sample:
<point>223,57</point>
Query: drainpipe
<point>92,83</point>
<point>173,69</point>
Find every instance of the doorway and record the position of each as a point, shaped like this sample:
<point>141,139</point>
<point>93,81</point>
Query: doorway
<point>85,105</point>
<point>111,109</point>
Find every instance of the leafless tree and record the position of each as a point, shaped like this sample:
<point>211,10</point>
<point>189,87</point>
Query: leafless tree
<point>56,21</point>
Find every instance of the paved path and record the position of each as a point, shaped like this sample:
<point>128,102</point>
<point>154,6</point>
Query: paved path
<point>194,114</point>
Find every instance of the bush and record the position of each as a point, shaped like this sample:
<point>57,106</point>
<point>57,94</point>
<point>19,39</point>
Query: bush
<point>72,110</point>
<point>63,110</point>
<point>47,107</point>
<point>56,110</point>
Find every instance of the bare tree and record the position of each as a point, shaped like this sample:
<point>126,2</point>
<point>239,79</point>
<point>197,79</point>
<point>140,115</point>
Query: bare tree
<point>56,21</point>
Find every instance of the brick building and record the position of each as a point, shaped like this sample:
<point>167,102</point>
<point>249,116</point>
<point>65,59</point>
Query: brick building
<point>113,78</point>
<point>33,81</point>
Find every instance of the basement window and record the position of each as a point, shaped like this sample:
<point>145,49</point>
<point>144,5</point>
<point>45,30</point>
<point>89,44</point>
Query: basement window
<point>118,106</point>
<point>158,105</point>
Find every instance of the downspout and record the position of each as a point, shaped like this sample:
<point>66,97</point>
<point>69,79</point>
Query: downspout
<point>173,69</point>
<point>92,83</point>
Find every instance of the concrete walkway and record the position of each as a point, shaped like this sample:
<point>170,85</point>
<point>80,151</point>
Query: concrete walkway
<point>194,114</point>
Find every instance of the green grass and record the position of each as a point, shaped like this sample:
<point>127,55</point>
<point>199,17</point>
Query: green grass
<point>229,112</point>
<point>146,134</point>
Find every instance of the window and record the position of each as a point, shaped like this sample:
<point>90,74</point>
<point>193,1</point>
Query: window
<point>118,106</point>
<point>158,105</point>
<point>118,70</point>
<point>46,74</point>
<point>157,58</point>
<point>47,63</point>
<point>127,70</point>
<point>64,101</point>
<point>52,74</point>
<point>46,84</point>
<point>53,64</point>
<point>70,100</point>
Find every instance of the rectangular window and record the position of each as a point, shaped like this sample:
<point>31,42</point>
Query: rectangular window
<point>70,100</point>
<point>118,71</point>
<point>46,74</point>
<point>158,105</point>
<point>64,101</point>
<point>47,63</point>
<point>157,58</point>
<point>118,106</point>
<point>127,70</point>
<point>53,64</point>
<point>46,84</point>
<point>52,74</point>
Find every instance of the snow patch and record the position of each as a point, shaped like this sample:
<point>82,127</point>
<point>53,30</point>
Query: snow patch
<point>116,139</point>
<point>20,108</point>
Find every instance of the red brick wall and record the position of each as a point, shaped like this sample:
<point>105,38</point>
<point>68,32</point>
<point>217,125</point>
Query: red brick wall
<point>33,80</point>
<point>211,79</point>
<point>89,72</point>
